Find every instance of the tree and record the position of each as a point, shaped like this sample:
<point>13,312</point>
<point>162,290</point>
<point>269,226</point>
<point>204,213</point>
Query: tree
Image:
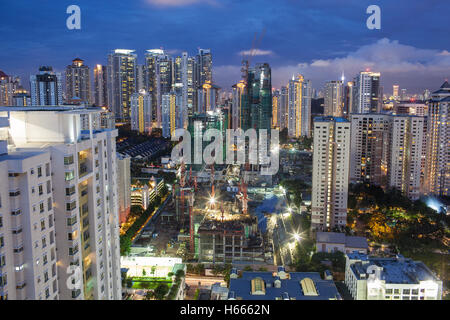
<point>180,274</point>
<point>263,269</point>
<point>161,290</point>
<point>144,273</point>
<point>125,245</point>
<point>149,295</point>
<point>200,269</point>
<point>169,177</point>
<point>248,268</point>
<point>136,211</point>
<point>145,285</point>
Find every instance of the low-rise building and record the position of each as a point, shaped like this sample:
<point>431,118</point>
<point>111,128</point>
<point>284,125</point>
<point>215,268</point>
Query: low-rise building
<point>335,241</point>
<point>219,292</point>
<point>371,278</point>
<point>281,285</point>
<point>144,195</point>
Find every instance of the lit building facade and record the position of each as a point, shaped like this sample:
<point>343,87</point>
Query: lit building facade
<point>330,173</point>
<point>366,93</point>
<point>78,81</point>
<point>62,186</point>
<point>8,88</point>
<point>406,154</point>
<point>141,112</point>
<point>437,174</point>
<point>372,278</point>
<point>121,82</point>
<point>46,88</point>
<point>333,99</point>
<point>369,148</point>
<point>299,107</point>
<point>100,86</point>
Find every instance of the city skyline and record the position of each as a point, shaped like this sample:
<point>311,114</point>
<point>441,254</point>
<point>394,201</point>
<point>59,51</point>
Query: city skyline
<point>329,40</point>
<point>224,150</point>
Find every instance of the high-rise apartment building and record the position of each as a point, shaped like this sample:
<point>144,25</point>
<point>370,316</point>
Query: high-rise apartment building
<point>58,205</point>
<point>275,109</point>
<point>388,150</point>
<point>403,95</point>
<point>405,155</point>
<point>299,107</point>
<point>158,80</point>
<point>207,97</point>
<point>256,107</point>
<point>204,67</point>
<point>395,93</point>
<point>8,87</point>
<point>369,148</point>
<point>416,108</point>
<point>174,116</point>
<point>21,97</point>
<point>121,82</point>
<point>366,93</point>
<point>283,114</point>
<point>78,81</point>
<point>140,77</point>
<point>46,88</point>
<point>348,99</point>
<point>437,173</point>
<point>191,85</point>
<point>100,86</point>
<point>124,186</point>
<point>141,112</point>
<point>330,173</point>
<point>333,99</point>
<point>237,100</point>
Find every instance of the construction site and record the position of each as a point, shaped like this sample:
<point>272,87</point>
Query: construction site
<point>214,215</point>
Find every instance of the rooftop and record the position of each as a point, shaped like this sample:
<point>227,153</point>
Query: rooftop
<point>69,109</point>
<point>330,119</point>
<point>394,270</point>
<point>341,238</point>
<point>20,155</point>
<point>298,286</point>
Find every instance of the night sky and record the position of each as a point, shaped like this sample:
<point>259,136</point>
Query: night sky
<point>319,38</point>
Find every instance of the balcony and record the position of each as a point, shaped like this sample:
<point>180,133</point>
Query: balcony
<point>21,285</point>
<point>73,251</point>
<point>83,170</point>
<point>76,293</point>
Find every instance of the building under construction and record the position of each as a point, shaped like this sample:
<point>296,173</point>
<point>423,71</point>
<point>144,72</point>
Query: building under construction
<point>224,231</point>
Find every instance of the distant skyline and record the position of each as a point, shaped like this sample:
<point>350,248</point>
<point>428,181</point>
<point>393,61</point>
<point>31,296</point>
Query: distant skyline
<point>320,39</point>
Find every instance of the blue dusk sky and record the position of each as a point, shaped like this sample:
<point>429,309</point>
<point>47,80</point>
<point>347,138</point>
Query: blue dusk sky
<point>319,38</point>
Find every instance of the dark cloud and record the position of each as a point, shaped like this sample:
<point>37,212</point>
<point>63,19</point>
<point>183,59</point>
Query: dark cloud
<point>298,31</point>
